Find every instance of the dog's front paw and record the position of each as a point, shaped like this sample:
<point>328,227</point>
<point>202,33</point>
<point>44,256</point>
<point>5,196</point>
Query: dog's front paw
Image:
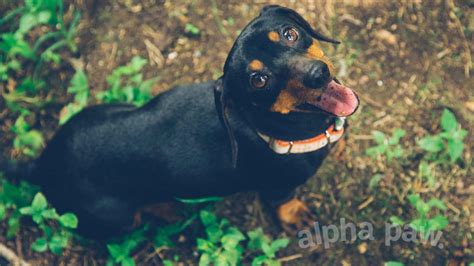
<point>295,215</point>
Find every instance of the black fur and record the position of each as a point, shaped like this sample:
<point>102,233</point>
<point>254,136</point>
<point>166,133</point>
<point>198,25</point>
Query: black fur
<point>109,160</point>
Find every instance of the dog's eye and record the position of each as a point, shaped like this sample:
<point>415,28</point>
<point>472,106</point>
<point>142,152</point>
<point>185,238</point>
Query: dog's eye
<point>291,34</point>
<point>258,80</point>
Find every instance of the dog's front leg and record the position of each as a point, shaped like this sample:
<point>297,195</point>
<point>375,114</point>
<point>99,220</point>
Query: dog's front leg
<point>290,211</point>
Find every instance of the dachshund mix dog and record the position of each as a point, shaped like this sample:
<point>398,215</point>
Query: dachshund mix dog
<point>266,125</point>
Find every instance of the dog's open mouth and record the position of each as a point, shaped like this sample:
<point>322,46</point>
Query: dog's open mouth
<point>336,99</point>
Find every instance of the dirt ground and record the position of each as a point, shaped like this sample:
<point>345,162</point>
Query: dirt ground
<point>408,60</point>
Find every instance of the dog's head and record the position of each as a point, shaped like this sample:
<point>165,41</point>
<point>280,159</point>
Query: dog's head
<point>278,75</point>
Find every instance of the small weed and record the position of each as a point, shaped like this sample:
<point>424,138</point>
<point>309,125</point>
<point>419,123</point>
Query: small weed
<point>447,146</point>
<point>34,14</point>
<point>54,238</point>
<point>163,234</point>
<point>191,29</point>
<point>264,244</point>
<point>80,89</point>
<point>121,252</point>
<point>388,146</point>
<point>422,223</point>
<point>173,262</point>
<point>126,84</point>
<point>12,199</point>
<point>426,172</point>
<point>27,141</point>
<point>221,247</point>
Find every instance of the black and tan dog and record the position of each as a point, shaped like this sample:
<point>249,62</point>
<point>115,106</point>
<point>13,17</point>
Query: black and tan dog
<point>266,126</point>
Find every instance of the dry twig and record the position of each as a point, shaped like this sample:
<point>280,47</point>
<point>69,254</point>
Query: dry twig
<point>9,255</point>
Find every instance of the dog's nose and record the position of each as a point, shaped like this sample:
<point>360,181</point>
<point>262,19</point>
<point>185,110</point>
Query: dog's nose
<point>317,76</point>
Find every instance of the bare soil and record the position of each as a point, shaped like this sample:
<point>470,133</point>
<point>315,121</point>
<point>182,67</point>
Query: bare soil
<point>408,60</point>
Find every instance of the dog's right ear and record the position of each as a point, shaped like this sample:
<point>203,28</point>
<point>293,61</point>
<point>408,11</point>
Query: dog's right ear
<point>222,103</point>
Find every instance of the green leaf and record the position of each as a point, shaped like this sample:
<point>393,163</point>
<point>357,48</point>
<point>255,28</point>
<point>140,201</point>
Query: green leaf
<point>448,121</point>
<point>78,82</point>
<point>115,251</point>
<point>419,204</point>
<point>26,210</point>
<point>424,169</point>
<point>279,244</point>
<point>137,64</point>
<point>436,203</point>
<point>214,233</point>
<point>439,222</point>
<point>419,225</point>
<point>393,263</point>
<point>414,199</point>
<point>375,180</point>
<point>13,226</point>
<point>3,211</point>
<point>397,152</point>
<point>230,257</point>
<point>220,260</point>
<point>50,214</point>
<point>204,260</point>
<point>190,28</point>
<point>431,144</point>
<point>272,262</point>
<point>167,263</point>
<point>205,245</point>
<point>39,202</point>
<point>397,135</point>
<point>52,57</point>
<point>163,234</point>
<point>396,220</point>
<point>199,200</point>
<point>40,245</point>
<point>31,20</point>
<point>378,136</point>
<point>20,125</point>
<point>376,150</point>
<point>58,243</point>
<point>68,220</point>
<point>232,238</point>
<point>256,238</point>
<point>207,218</point>
<point>128,261</point>
<point>37,217</point>
<point>455,148</point>
<point>259,260</point>
<point>458,134</point>
<point>69,111</point>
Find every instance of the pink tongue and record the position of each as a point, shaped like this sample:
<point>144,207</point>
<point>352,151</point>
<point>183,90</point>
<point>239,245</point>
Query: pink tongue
<point>338,100</point>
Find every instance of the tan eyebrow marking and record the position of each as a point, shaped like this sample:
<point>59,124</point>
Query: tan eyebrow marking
<point>315,52</point>
<point>256,65</point>
<point>274,36</point>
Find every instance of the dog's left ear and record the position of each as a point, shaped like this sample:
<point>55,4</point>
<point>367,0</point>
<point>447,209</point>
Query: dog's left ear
<point>290,13</point>
<point>222,104</point>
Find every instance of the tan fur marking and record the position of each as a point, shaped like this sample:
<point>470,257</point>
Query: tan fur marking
<point>291,211</point>
<point>256,65</point>
<point>274,36</point>
<point>315,52</point>
<point>293,94</point>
